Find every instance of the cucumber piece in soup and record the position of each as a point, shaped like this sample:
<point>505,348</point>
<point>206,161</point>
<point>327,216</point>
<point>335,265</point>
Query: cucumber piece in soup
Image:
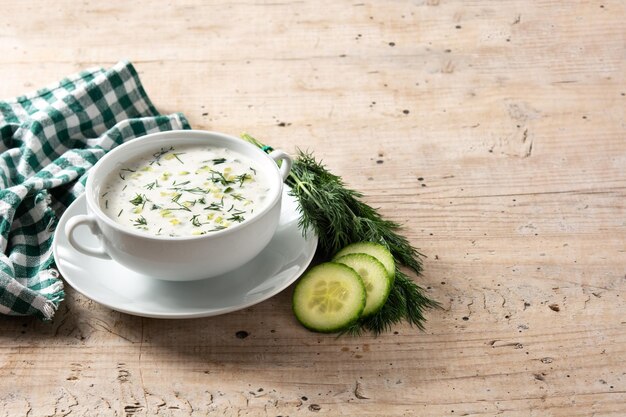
<point>329,298</point>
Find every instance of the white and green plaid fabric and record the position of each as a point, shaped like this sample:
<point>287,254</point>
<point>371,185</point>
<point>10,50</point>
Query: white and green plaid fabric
<point>48,142</point>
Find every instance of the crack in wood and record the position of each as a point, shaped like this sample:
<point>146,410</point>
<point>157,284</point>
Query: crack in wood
<point>529,149</point>
<point>358,392</point>
<point>469,310</point>
<point>132,409</point>
<point>613,190</point>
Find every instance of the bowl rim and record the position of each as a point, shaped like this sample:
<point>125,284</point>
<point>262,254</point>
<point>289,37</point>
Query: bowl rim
<point>276,183</point>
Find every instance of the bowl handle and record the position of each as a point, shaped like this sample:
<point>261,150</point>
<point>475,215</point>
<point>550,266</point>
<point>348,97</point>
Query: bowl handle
<point>90,222</point>
<point>283,161</point>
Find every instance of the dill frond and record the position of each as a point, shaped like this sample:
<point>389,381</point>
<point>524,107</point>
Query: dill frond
<point>339,217</point>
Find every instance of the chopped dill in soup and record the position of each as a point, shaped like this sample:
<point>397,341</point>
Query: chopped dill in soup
<point>190,190</point>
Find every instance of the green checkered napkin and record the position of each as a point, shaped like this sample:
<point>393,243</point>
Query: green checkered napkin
<point>49,140</point>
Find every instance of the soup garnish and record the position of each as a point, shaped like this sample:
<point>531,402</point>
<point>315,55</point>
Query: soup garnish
<point>189,190</point>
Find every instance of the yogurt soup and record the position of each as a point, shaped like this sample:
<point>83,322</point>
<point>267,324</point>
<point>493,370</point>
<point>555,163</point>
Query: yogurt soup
<point>188,190</point>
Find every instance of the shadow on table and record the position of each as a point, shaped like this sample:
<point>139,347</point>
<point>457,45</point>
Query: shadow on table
<point>80,321</point>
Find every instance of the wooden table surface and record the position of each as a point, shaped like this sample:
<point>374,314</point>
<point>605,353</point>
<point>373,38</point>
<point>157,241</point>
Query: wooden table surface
<point>494,130</point>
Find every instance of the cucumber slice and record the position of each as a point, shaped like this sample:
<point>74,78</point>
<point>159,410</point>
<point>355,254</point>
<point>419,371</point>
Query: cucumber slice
<point>376,250</point>
<point>375,279</point>
<point>329,297</point>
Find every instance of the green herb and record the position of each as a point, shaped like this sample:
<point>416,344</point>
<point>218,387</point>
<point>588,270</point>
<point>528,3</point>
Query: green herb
<point>157,155</point>
<point>201,200</point>
<point>121,176</point>
<point>124,187</point>
<point>237,196</point>
<point>120,213</point>
<point>140,221</point>
<point>176,156</point>
<point>180,206</point>
<point>237,217</point>
<point>140,199</point>
<point>153,184</point>
<point>106,204</point>
<point>103,194</point>
<point>339,217</point>
<point>215,206</point>
<point>195,190</point>
<point>128,170</point>
<point>195,221</point>
<point>216,228</point>
<point>241,178</point>
<point>217,176</point>
<point>216,161</point>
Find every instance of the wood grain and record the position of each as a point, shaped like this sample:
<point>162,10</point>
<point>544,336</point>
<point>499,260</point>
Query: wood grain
<point>494,131</point>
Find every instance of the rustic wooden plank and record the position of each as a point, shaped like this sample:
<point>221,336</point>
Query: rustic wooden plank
<point>494,131</point>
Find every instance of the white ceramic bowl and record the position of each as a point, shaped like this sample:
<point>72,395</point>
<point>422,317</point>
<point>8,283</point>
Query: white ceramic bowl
<point>181,258</point>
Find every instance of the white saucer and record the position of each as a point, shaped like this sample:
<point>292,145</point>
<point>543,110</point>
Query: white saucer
<point>284,259</point>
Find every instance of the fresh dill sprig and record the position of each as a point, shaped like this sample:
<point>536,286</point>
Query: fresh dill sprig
<point>140,199</point>
<point>140,221</point>
<point>339,217</point>
<point>157,155</point>
<point>241,178</point>
<point>181,206</point>
<point>176,156</point>
<point>213,206</point>
<point>217,176</point>
<point>194,190</point>
<point>151,185</point>
<point>215,161</point>
<point>195,221</point>
<point>236,216</point>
